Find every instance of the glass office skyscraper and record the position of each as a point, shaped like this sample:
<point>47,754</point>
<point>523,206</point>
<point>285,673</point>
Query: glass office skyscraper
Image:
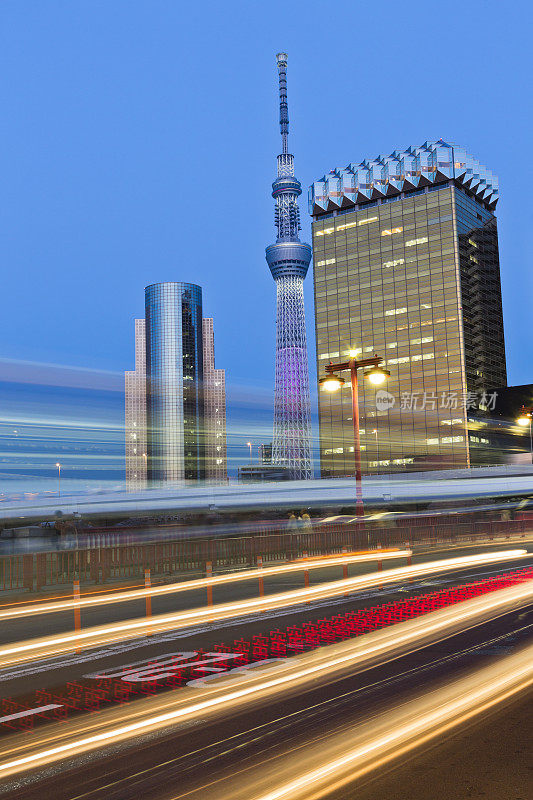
<point>174,370</point>
<point>406,266</point>
<point>175,399</point>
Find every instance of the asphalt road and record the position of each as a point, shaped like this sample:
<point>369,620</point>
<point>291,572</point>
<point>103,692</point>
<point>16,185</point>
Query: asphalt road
<point>490,759</point>
<point>29,627</point>
<point>203,759</point>
<point>30,676</point>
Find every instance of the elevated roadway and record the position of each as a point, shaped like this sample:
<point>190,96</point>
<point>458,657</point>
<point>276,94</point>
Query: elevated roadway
<point>405,489</point>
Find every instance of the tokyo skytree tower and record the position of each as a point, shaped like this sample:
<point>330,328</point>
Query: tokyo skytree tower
<point>289,260</point>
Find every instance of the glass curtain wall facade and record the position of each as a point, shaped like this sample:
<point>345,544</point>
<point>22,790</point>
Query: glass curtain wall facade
<point>174,368</point>
<point>413,278</point>
<point>477,237</point>
<point>135,417</point>
<point>216,467</point>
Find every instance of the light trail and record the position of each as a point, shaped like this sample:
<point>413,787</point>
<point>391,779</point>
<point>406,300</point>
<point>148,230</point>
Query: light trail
<point>319,562</point>
<point>18,652</point>
<point>274,680</point>
<point>350,755</point>
<point>86,593</point>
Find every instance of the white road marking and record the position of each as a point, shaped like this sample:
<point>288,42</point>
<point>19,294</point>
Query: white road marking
<point>247,670</point>
<point>30,712</point>
<point>134,644</point>
<point>149,670</point>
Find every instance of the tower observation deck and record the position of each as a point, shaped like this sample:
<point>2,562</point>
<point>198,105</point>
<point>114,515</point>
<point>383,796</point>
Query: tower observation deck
<point>289,260</point>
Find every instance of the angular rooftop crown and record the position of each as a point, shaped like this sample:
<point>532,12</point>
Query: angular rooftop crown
<point>402,171</point>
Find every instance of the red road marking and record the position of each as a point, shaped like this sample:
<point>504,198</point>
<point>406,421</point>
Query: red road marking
<point>118,685</point>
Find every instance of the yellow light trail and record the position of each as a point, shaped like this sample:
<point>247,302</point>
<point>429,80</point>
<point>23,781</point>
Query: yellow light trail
<point>322,665</point>
<point>47,646</point>
<point>419,721</point>
<point>320,562</point>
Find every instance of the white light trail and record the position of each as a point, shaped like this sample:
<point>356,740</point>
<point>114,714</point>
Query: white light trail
<point>420,720</point>
<point>301,565</point>
<point>47,646</point>
<point>276,680</point>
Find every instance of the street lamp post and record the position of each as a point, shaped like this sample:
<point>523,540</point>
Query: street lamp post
<point>249,444</point>
<point>525,418</point>
<point>375,432</point>
<point>58,465</point>
<point>331,382</point>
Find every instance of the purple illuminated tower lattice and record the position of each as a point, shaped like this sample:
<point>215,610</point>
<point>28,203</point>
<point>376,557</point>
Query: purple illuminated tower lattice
<point>289,261</point>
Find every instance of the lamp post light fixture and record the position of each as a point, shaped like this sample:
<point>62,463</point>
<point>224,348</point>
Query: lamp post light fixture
<point>249,444</point>
<point>58,465</point>
<point>331,382</point>
<point>526,418</point>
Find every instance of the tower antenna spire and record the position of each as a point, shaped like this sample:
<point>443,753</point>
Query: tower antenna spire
<point>281,59</point>
<point>289,260</point>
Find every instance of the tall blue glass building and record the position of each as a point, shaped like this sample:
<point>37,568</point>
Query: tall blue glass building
<point>174,372</point>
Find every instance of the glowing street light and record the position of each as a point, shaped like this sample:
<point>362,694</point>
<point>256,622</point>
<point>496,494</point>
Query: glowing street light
<point>249,444</point>
<point>525,419</point>
<point>58,465</point>
<point>377,375</point>
<point>331,382</point>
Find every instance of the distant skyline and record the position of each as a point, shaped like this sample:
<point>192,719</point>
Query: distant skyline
<point>76,416</point>
<point>134,130</point>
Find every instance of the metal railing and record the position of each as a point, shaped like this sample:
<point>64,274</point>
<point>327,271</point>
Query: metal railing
<point>112,561</point>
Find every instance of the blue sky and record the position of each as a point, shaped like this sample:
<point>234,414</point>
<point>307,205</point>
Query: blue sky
<point>139,137</point>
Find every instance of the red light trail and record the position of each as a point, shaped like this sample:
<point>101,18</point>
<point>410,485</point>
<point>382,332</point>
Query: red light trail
<point>179,669</point>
